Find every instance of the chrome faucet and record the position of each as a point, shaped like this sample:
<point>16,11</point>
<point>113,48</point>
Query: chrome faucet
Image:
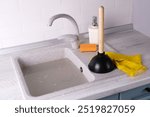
<point>73,38</point>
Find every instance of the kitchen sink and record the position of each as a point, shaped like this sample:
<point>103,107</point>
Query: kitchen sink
<point>51,70</point>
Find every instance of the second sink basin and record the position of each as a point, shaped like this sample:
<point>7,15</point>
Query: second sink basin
<point>48,71</point>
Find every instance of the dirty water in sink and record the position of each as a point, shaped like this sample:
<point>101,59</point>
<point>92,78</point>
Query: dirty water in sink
<point>52,76</point>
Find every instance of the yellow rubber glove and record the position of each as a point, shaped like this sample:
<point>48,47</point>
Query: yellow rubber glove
<point>131,65</point>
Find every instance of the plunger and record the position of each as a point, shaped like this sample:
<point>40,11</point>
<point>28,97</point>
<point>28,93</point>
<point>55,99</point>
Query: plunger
<point>101,63</point>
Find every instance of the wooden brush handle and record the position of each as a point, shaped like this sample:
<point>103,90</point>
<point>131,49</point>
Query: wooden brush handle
<point>101,29</point>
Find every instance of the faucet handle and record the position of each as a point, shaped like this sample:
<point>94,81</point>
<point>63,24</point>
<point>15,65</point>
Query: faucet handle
<point>72,39</point>
<point>68,36</point>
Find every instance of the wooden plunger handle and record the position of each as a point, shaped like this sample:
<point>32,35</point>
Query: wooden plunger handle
<point>101,29</point>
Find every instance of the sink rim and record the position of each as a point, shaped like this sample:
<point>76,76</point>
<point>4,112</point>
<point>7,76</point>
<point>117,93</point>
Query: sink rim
<point>24,88</point>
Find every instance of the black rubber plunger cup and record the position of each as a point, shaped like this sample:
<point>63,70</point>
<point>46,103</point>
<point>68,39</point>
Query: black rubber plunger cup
<point>101,63</point>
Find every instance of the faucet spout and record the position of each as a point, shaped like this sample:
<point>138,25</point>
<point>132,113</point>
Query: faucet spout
<point>71,19</point>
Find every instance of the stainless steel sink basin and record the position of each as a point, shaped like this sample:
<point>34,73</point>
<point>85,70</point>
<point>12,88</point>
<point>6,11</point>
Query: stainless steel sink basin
<point>48,71</point>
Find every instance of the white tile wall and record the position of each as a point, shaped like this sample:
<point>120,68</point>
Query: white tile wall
<point>26,21</point>
<point>141,17</point>
<point>10,21</point>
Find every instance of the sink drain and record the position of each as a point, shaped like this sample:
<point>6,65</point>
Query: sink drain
<point>81,69</point>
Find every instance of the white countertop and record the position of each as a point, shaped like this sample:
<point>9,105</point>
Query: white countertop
<point>127,42</point>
